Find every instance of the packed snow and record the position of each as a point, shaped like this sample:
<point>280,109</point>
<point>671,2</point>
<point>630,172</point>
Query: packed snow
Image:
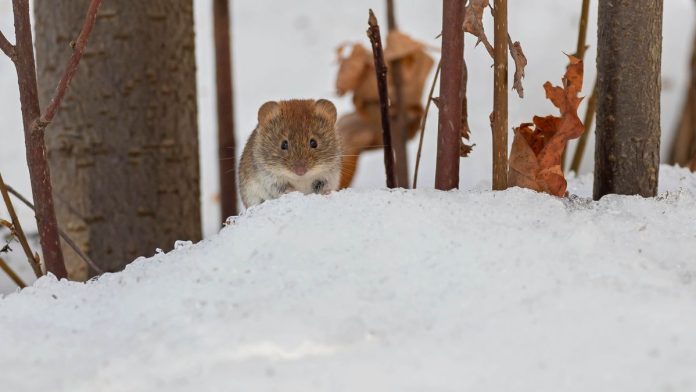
<point>286,49</point>
<point>370,289</point>
<point>373,290</point>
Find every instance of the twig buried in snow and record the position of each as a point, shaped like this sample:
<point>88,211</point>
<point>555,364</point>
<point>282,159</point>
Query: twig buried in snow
<point>62,233</point>
<point>32,257</point>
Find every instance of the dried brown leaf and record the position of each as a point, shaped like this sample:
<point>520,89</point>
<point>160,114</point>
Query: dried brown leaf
<point>465,149</point>
<point>473,22</point>
<point>520,63</point>
<point>353,68</point>
<point>535,159</point>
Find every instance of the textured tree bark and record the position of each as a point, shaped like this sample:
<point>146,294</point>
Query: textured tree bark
<point>627,151</point>
<point>124,145</point>
<point>500,97</point>
<point>39,172</point>
<point>225,108</point>
<point>450,102</point>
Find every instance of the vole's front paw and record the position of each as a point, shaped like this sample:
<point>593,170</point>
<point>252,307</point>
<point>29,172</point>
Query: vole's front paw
<point>284,188</point>
<point>319,186</point>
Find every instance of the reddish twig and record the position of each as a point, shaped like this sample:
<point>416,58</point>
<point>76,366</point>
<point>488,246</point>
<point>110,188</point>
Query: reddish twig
<point>12,275</point>
<point>381,72</point>
<point>7,47</point>
<point>39,172</point>
<point>34,124</point>
<point>225,109</point>
<point>18,231</point>
<point>62,233</point>
<point>450,102</point>
<point>71,68</point>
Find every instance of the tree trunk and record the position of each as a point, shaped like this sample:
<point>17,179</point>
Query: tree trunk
<point>450,102</point>
<point>225,109</point>
<point>627,151</point>
<point>124,146</point>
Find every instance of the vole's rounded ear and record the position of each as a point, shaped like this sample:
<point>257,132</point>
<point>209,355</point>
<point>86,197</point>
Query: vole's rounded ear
<point>267,111</point>
<point>326,108</point>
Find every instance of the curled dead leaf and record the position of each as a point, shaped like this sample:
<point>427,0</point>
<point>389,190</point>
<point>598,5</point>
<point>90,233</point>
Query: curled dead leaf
<point>520,63</point>
<point>361,130</point>
<point>473,22</point>
<point>535,158</point>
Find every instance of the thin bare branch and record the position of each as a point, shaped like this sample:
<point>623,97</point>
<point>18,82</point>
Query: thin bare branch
<point>62,233</point>
<point>580,50</point>
<point>78,50</point>
<point>12,275</point>
<point>381,72</point>
<point>7,47</point>
<point>582,30</point>
<point>582,142</point>
<point>21,237</point>
<point>423,121</point>
<point>225,108</point>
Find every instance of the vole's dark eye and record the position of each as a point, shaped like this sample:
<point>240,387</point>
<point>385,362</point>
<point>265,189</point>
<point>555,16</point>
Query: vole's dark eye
<point>313,143</point>
<point>284,145</point>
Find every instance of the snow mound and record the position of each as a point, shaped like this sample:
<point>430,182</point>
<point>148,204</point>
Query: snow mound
<point>385,290</point>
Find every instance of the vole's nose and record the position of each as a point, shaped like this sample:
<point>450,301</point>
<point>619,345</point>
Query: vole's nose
<point>300,169</point>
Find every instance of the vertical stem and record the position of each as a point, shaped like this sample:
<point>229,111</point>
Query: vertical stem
<point>381,74</point>
<point>500,97</point>
<point>450,103</point>
<point>423,122</point>
<point>582,31</point>
<point>225,108</point>
<point>391,16</point>
<point>580,53</point>
<point>582,142</point>
<point>39,172</point>
<point>399,136</point>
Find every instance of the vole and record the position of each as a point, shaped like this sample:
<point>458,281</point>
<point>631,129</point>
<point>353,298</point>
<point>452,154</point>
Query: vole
<point>294,147</point>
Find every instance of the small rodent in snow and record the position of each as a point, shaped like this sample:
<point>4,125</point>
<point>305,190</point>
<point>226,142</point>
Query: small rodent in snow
<point>294,147</point>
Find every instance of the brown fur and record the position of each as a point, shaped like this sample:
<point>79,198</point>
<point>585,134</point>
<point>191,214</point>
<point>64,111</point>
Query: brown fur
<point>267,171</point>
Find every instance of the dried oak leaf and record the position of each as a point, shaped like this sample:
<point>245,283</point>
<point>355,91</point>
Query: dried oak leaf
<point>473,22</point>
<point>520,63</point>
<point>353,68</point>
<point>535,158</point>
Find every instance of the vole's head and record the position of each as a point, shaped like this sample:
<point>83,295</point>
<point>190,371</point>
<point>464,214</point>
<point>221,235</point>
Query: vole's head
<point>297,137</point>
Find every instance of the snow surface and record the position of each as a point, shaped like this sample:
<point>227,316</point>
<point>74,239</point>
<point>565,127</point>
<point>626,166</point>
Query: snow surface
<point>373,290</point>
<point>298,40</point>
